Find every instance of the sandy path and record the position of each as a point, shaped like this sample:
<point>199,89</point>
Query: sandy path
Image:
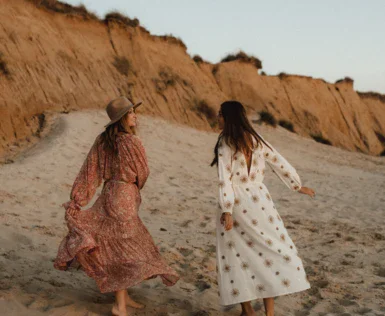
<point>340,234</point>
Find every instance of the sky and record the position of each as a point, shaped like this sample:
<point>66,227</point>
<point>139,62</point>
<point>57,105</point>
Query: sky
<point>324,39</point>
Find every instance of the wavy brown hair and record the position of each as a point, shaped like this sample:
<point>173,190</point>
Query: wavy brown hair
<point>108,137</point>
<point>237,132</point>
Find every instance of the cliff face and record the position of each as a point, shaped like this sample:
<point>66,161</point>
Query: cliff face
<point>54,62</point>
<point>64,63</point>
<point>313,106</point>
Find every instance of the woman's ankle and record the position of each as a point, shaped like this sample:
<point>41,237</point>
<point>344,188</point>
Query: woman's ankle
<point>246,307</point>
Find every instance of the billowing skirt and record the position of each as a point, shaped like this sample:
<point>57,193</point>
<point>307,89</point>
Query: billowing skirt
<point>111,243</point>
<point>256,258</point>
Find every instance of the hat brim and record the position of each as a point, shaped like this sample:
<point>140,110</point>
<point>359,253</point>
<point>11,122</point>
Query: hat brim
<point>121,114</point>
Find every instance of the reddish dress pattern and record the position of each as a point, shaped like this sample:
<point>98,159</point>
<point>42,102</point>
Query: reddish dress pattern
<point>109,240</point>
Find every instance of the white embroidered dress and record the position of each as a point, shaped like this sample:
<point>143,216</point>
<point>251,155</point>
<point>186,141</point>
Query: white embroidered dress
<point>257,258</point>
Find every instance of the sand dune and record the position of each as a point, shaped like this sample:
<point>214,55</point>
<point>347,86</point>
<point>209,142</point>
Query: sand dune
<point>340,234</point>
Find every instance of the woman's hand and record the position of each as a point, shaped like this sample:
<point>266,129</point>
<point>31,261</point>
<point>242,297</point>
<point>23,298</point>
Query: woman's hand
<point>227,221</point>
<point>308,191</point>
<point>72,212</point>
<point>72,209</point>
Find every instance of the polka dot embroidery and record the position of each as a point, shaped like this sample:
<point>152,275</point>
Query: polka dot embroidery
<point>245,265</point>
<point>286,282</point>
<point>230,244</point>
<point>261,288</point>
<point>255,198</point>
<point>235,292</point>
<point>228,204</point>
<point>269,242</point>
<point>244,179</point>
<point>227,268</point>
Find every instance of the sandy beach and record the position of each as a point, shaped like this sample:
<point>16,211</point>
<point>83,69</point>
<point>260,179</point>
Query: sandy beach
<point>340,234</point>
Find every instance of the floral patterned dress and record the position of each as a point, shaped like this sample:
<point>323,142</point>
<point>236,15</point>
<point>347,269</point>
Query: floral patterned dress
<point>256,258</point>
<point>109,240</point>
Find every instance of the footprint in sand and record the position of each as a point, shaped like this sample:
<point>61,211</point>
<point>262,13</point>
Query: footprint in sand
<point>21,239</point>
<point>11,255</point>
<point>380,272</point>
<point>181,304</point>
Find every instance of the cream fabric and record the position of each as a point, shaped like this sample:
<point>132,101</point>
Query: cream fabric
<point>257,258</point>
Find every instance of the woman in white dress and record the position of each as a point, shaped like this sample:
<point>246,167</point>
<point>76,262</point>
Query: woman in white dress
<point>255,256</point>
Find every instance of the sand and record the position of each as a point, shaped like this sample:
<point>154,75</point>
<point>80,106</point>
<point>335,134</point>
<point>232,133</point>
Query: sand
<point>340,234</point>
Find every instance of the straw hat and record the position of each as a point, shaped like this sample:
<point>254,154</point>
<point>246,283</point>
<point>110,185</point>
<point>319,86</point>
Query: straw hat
<point>117,108</point>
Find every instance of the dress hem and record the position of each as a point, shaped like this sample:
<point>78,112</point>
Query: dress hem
<point>264,296</point>
<point>144,278</point>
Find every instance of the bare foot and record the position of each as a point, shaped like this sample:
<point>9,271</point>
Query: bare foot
<point>130,302</point>
<point>116,311</point>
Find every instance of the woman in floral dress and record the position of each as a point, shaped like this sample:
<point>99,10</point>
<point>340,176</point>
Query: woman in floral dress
<point>255,256</point>
<point>109,240</point>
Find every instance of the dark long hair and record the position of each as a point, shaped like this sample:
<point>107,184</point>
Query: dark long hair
<point>108,137</point>
<point>237,132</point>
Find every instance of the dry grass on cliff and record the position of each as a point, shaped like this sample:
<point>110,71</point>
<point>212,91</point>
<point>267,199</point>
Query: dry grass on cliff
<point>243,57</point>
<point>123,65</point>
<point>283,75</point>
<point>215,70</point>
<point>381,138</point>
<point>122,19</point>
<point>41,119</point>
<point>320,139</point>
<point>202,108</point>
<point>118,17</point>
<point>65,8</point>
<point>169,38</point>
<point>167,79</point>
<point>198,59</point>
<point>346,79</point>
<point>286,124</point>
<point>3,66</point>
<point>268,118</point>
<point>372,95</point>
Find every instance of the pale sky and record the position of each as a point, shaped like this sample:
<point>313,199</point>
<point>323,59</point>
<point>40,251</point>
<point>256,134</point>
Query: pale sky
<point>326,39</point>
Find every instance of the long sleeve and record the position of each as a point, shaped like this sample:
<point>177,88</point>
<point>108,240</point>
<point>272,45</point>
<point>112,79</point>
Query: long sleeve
<point>88,179</point>
<point>134,149</point>
<point>226,191</point>
<point>282,168</point>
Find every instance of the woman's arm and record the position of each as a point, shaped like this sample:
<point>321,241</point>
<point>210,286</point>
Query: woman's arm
<point>282,168</point>
<point>87,181</point>
<point>226,191</point>
<point>285,171</point>
<point>134,150</point>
